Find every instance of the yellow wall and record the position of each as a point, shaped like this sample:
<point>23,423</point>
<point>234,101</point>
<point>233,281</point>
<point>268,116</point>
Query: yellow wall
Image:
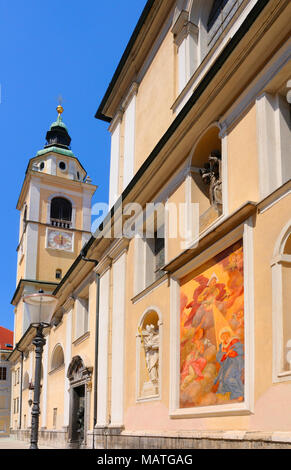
<point>154,100</point>
<point>242,161</point>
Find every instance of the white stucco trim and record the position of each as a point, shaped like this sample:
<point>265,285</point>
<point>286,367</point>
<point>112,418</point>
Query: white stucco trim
<point>68,358</point>
<point>118,340</point>
<point>103,345</point>
<point>245,232</point>
<point>115,129</point>
<point>44,383</point>
<point>129,136</point>
<point>31,248</point>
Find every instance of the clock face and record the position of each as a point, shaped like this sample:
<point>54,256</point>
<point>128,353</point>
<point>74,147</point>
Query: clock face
<point>60,240</point>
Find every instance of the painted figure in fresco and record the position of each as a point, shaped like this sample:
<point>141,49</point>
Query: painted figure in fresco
<point>151,346</point>
<point>211,293</point>
<point>231,359</point>
<point>195,363</point>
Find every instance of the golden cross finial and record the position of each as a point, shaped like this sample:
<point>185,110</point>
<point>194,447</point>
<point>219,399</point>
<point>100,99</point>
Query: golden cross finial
<point>60,109</point>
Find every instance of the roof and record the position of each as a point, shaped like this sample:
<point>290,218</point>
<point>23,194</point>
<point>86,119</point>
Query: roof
<point>6,338</point>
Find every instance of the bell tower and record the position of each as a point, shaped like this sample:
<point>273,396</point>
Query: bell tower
<point>55,212</point>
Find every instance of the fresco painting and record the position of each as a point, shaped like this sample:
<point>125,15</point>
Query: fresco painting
<point>212,332</point>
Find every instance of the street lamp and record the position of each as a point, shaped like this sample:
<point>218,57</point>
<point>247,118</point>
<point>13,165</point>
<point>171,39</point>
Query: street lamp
<point>41,307</point>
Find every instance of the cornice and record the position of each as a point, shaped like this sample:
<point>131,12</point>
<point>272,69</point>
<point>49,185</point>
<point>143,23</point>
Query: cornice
<point>131,92</point>
<point>103,265</point>
<point>183,27</point>
<point>116,120</point>
<point>118,248</point>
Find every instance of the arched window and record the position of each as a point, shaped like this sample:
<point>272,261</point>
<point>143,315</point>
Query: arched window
<point>281,281</point>
<point>148,356</point>
<point>57,357</point>
<point>61,212</point>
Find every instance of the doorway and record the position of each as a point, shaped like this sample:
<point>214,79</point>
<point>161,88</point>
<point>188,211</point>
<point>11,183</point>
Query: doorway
<point>77,415</point>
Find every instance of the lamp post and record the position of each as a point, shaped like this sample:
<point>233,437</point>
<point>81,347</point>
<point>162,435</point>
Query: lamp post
<point>41,307</point>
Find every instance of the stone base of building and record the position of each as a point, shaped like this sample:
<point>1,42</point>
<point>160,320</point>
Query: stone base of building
<point>117,438</point>
<point>106,438</point>
<point>51,438</point>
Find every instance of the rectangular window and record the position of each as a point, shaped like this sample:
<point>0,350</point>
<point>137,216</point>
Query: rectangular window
<point>149,250</point>
<point>155,257</point>
<point>55,413</point>
<point>3,373</point>
<point>82,317</point>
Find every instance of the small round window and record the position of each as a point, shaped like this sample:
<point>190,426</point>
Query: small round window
<point>62,166</point>
<point>41,166</point>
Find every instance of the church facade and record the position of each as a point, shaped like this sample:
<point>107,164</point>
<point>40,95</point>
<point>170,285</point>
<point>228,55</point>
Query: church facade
<point>172,328</point>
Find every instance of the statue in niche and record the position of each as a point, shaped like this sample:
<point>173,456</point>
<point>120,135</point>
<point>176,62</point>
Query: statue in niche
<point>211,175</point>
<point>150,341</point>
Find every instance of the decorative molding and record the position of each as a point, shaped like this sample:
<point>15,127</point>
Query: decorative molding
<point>81,338</point>
<point>103,265</point>
<point>118,248</point>
<point>116,120</point>
<point>133,90</point>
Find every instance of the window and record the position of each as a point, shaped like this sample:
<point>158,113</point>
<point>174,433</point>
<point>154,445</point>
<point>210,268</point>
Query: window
<point>58,274</point>
<point>62,166</point>
<point>150,248</point>
<point>55,414</point>
<point>81,316</point>
<point>3,371</point>
<point>2,402</point>
<point>57,358</point>
<point>61,212</point>
<point>220,15</point>
<point>15,405</point>
<point>274,140</point>
<point>41,166</point>
<point>155,257</point>
<point>25,384</point>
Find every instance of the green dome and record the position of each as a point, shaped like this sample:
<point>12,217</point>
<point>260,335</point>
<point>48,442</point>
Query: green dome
<point>59,123</point>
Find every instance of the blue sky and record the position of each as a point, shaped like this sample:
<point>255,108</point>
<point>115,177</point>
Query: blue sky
<point>68,48</point>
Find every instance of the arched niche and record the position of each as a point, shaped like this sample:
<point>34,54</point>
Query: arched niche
<point>57,359</point>
<point>149,355</point>
<point>281,294</point>
<point>206,176</point>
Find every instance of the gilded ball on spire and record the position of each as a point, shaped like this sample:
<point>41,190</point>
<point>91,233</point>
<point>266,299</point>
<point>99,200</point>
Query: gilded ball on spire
<point>60,109</point>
